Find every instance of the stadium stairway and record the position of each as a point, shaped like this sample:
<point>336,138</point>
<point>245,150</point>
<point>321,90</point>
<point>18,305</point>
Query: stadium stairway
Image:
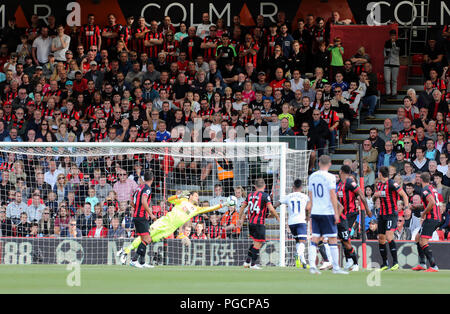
<point>387,109</point>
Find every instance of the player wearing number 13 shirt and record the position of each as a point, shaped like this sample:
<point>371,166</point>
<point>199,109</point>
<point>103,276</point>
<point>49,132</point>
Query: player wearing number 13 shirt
<point>258,206</point>
<point>347,192</point>
<point>388,192</point>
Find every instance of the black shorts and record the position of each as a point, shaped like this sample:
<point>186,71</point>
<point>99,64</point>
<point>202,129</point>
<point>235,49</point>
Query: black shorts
<point>343,230</point>
<point>387,223</point>
<point>257,232</point>
<point>345,227</point>
<point>141,225</point>
<point>428,227</point>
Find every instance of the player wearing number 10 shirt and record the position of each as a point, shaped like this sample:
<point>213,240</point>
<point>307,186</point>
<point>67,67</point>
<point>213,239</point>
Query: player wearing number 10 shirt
<point>324,213</point>
<point>258,206</point>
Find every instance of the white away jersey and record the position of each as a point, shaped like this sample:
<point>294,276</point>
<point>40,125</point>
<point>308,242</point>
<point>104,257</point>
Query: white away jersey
<point>320,183</point>
<point>296,203</point>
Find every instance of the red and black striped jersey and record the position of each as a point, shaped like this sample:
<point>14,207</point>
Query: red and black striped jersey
<point>171,47</point>
<point>152,51</point>
<point>111,42</point>
<point>407,133</point>
<point>330,118</point>
<point>47,113</point>
<point>126,34</point>
<point>434,213</point>
<point>158,86</point>
<point>7,166</point>
<point>139,42</point>
<point>346,192</point>
<point>139,210</point>
<point>99,135</point>
<point>388,197</point>
<point>441,127</point>
<point>215,232</point>
<point>210,53</point>
<point>440,85</point>
<point>249,58</point>
<point>89,35</point>
<point>257,207</point>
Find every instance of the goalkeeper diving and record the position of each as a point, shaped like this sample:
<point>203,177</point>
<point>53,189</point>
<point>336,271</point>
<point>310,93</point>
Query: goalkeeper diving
<point>184,210</point>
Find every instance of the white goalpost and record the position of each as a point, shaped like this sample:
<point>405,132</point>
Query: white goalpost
<point>85,189</point>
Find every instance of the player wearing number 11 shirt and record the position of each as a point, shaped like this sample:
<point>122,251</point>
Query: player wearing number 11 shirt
<point>297,203</point>
<point>258,206</point>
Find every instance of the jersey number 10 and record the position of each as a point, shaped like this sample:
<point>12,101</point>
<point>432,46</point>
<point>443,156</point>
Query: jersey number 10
<point>318,190</point>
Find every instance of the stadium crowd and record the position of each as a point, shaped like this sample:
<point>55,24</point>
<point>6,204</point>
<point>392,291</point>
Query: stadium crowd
<point>149,81</point>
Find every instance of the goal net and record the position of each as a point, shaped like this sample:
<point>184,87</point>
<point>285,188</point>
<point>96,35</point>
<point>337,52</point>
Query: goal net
<point>71,202</point>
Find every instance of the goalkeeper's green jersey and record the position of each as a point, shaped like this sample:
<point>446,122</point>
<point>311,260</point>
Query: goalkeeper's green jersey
<point>181,213</point>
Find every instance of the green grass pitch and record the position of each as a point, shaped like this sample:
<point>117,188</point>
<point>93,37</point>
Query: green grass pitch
<point>213,280</point>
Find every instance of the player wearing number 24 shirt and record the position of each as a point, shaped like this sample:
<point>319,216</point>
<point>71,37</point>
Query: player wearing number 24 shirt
<point>258,206</point>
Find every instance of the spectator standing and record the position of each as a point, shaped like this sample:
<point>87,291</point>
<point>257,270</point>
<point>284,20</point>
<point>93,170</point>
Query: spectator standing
<point>391,54</point>
<point>41,47</point>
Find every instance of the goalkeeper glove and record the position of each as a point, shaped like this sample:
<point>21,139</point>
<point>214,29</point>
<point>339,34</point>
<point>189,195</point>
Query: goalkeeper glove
<point>184,194</point>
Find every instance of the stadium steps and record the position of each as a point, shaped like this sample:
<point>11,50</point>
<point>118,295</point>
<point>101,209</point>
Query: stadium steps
<point>387,109</point>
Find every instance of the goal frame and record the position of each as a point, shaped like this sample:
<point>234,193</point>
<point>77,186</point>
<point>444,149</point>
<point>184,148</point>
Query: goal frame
<point>282,148</point>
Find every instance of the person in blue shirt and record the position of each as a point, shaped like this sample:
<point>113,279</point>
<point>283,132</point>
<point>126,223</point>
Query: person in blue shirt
<point>162,135</point>
<point>387,157</point>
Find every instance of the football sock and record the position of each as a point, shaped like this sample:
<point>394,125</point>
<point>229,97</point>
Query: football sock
<point>133,245</point>
<point>322,251</point>
<point>142,248</point>
<point>346,253</point>
<point>249,254</point>
<point>353,256</point>
<point>383,252</point>
<point>327,251</point>
<point>421,254</point>
<point>334,256</point>
<point>301,250</point>
<point>393,249</point>
<point>429,254</point>
<point>255,255</point>
<point>312,254</point>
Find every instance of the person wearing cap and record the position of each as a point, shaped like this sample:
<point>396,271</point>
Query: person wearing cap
<point>391,54</point>
<point>60,44</point>
<point>94,74</point>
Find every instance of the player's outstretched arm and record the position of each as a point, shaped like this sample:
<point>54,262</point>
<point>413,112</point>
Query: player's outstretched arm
<point>273,211</point>
<point>173,199</point>
<point>204,210</point>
